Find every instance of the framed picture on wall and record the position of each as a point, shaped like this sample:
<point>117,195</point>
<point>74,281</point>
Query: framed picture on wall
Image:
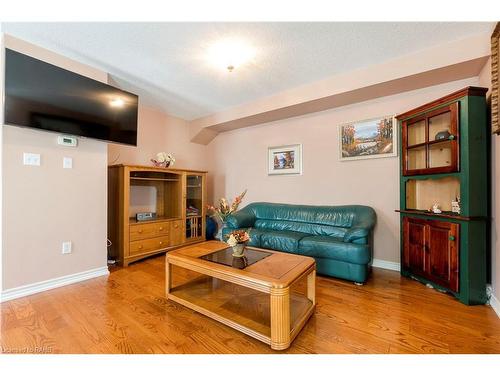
<point>285,160</point>
<point>367,139</point>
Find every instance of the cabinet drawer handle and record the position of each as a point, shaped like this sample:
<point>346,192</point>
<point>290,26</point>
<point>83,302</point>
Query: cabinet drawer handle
<point>176,226</point>
<point>451,238</point>
<point>161,242</point>
<point>161,228</point>
<point>140,246</point>
<point>139,231</point>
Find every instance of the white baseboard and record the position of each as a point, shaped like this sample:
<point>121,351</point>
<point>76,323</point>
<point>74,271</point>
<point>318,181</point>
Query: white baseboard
<point>495,304</point>
<point>393,266</point>
<point>42,286</point>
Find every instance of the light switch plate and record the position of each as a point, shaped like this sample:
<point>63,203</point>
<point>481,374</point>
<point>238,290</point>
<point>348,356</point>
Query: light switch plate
<point>67,163</point>
<point>66,247</point>
<point>31,159</point>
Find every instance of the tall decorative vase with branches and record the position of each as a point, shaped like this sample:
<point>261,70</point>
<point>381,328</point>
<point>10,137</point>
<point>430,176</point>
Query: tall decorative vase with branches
<point>223,210</point>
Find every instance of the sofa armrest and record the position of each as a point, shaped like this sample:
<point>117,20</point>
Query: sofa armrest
<point>357,233</point>
<point>241,219</point>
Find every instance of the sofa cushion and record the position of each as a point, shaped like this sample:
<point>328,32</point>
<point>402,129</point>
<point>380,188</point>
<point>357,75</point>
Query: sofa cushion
<point>255,236</point>
<point>328,247</point>
<point>306,228</point>
<point>287,241</point>
<point>337,216</point>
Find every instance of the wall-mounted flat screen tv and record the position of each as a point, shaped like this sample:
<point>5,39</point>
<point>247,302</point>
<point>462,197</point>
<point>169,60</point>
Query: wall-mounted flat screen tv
<point>43,96</point>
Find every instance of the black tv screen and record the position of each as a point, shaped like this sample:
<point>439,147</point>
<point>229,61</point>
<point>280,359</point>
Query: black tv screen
<point>43,96</point>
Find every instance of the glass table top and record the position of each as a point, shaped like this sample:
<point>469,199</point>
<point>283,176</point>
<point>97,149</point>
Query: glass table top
<point>225,257</point>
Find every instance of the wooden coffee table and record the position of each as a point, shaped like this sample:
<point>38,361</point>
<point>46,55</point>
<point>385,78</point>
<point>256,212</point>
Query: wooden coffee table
<point>270,300</point>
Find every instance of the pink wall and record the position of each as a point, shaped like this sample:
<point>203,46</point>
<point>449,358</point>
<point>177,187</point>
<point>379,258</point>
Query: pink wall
<point>495,212</point>
<point>240,157</point>
<point>46,205</point>
<point>52,204</point>
<point>485,81</point>
<point>160,132</point>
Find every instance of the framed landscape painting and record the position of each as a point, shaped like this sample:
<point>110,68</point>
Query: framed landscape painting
<point>375,138</point>
<point>285,160</point>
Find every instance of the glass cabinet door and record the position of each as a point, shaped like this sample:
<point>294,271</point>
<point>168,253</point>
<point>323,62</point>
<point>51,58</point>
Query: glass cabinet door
<point>194,206</point>
<point>440,154</point>
<point>416,133</point>
<point>416,158</point>
<point>440,126</point>
<point>430,142</point>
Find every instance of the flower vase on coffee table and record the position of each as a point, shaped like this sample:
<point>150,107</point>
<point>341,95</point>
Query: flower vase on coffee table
<point>238,240</point>
<point>239,250</point>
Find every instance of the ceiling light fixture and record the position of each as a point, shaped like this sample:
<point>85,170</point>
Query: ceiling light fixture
<point>230,53</point>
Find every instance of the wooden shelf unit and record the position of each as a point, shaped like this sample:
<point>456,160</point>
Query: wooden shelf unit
<point>446,250</point>
<point>421,194</point>
<point>154,179</point>
<point>444,214</point>
<point>166,192</point>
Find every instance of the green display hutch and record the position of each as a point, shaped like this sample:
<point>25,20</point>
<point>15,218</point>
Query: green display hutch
<point>444,161</point>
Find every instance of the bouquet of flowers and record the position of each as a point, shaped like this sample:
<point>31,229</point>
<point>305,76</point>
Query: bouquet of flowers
<point>163,160</point>
<point>238,237</point>
<point>224,209</point>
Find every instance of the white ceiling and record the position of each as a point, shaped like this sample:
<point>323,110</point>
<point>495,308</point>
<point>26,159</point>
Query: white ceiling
<point>164,62</point>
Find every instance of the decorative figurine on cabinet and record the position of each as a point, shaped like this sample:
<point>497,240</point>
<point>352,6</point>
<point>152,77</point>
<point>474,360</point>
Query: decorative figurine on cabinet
<point>455,206</point>
<point>436,209</point>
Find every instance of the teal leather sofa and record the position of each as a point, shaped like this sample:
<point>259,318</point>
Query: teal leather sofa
<point>338,237</point>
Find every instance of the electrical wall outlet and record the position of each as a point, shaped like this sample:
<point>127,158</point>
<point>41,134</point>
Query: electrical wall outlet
<point>66,247</point>
<point>31,159</point>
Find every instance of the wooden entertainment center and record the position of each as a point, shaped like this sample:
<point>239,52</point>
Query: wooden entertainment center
<point>176,196</point>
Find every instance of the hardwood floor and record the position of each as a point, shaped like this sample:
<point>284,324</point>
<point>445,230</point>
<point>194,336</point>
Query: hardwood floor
<point>127,313</point>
